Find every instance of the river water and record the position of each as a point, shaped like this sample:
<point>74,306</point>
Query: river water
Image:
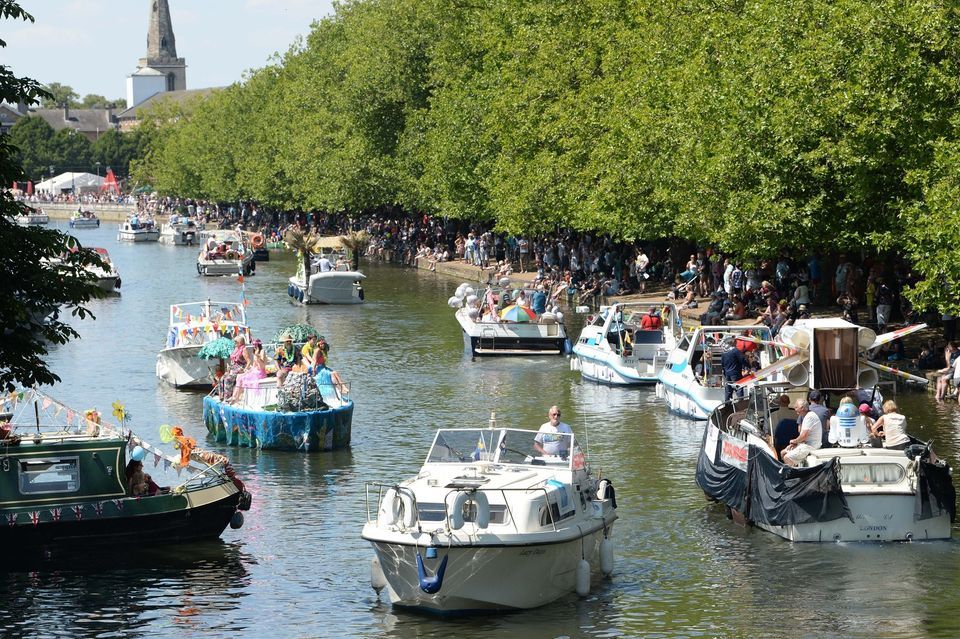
<point>298,567</point>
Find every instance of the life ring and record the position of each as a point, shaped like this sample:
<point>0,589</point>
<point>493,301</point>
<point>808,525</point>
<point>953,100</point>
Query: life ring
<point>482,519</point>
<point>397,508</point>
<point>257,241</point>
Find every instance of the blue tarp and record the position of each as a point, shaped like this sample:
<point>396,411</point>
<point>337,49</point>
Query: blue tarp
<point>326,429</point>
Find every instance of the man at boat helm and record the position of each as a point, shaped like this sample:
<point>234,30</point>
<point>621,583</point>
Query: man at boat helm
<point>550,440</point>
<point>810,437</point>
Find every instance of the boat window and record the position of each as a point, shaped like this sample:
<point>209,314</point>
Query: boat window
<point>49,475</point>
<point>876,474</point>
<point>505,446</point>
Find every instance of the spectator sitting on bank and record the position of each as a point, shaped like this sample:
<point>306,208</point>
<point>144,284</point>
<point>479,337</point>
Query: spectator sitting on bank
<point>928,356</point>
<point>737,310</point>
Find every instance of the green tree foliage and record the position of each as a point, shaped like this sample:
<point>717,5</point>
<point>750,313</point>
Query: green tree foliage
<point>43,272</point>
<point>756,127</point>
<point>32,139</point>
<point>116,150</point>
<point>93,101</point>
<point>59,95</point>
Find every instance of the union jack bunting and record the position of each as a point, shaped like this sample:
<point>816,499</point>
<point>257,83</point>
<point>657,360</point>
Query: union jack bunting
<point>99,508</point>
<point>78,511</point>
<point>35,517</point>
<point>118,503</point>
<point>12,519</point>
<point>55,512</point>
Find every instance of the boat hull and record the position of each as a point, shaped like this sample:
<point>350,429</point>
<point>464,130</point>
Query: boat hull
<point>603,369</point>
<point>875,518</point>
<point>217,268</point>
<point>110,283</point>
<point>138,236</point>
<point>504,577</point>
<point>181,368</point>
<point>487,339</point>
<point>179,238</point>
<point>334,287</point>
<point>84,224</point>
<point>687,398</point>
<point>197,514</point>
<point>319,430</point>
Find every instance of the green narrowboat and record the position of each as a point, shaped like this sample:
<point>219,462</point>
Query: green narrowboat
<point>65,486</point>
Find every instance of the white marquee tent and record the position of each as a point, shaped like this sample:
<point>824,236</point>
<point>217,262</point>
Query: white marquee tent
<point>80,182</point>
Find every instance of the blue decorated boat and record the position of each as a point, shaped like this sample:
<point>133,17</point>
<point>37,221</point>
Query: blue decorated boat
<point>314,419</point>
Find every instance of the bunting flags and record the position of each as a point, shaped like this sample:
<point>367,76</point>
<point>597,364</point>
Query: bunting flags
<point>55,513</point>
<point>12,519</point>
<point>78,512</point>
<point>35,517</point>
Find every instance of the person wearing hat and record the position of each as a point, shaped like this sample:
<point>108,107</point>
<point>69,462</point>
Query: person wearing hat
<point>287,357</point>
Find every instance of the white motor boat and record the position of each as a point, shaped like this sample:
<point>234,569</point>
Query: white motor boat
<point>224,252</point>
<point>84,220</point>
<point>179,231</point>
<point>33,217</point>
<point>137,229</point>
<point>107,278</point>
<point>492,326</point>
<point>854,492</point>
<point>692,382</point>
<point>331,280</point>
<point>627,343</point>
<point>191,326</point>
<point>490,523</point>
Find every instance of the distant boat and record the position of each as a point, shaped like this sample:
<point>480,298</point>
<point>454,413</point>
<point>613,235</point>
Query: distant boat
<point>84,220</point>
<point>338,284</point>
<point>137,229</point>
<point>34,217</point>
<point>191,326</point>
<point>224,252</point>
<point>107,278</point>
<point>179,231</point>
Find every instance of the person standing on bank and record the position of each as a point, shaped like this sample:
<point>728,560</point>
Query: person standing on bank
<point>550,439</point>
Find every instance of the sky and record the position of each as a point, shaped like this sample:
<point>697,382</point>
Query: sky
<point>93,45</point>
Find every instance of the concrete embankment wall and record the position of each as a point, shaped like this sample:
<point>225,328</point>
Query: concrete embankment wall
<point>106,212</point>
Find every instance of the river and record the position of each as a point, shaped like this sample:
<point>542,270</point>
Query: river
<point>298,567</point>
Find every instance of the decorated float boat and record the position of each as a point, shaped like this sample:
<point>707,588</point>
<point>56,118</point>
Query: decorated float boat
<point>191,327</point>
<point>224,252</point>
<point>492,325</point>
<point>138,229</point>
<point>627,343</point>
<point>691,382</point>
<point>331,280</point>
<point>33,217</point>
<point>318,418</point>
<point>851,492</point>
<point>84,220</point>
<point>107,277</point>
<point>64,486</point>
<point>491,523</point>
<point>179,231</point>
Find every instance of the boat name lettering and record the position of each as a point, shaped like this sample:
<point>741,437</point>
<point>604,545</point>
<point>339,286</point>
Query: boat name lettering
<point>532,551</point>
<point>733,452</point>
<point>876,527</point>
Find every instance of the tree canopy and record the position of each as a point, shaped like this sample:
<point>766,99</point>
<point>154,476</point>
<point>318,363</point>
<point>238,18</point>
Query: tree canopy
<point>755,127</point>
<point>43,272</point>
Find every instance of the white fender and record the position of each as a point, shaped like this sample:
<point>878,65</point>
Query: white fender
<point>377,579</point>
<point>606,556</point>
<point>548,318</point>
<point>389,509</point>
<point>574,363</point>
<point>602,489</point>
<point>483,509</point>
<point>583,578</point>
<point>407,516</point>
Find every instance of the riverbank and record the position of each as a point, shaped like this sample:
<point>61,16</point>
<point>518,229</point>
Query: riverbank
<point>106,212</point>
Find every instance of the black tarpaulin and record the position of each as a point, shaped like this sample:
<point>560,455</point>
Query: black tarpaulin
<point>721,481</point>
<point>781,495</point>
<point>935,492</point>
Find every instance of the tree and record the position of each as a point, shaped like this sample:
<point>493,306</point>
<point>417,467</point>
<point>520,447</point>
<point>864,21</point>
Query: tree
<point>59,95</point>
<point>33,139</point>
<point>70,150</point>
<point>43,272</point>
<point>93,101</point>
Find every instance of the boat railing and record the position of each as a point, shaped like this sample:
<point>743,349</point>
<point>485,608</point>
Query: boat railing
<point>207,311</point>
<point>381,486</point>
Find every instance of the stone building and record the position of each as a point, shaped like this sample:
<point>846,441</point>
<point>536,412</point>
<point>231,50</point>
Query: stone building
<point>161,70</point>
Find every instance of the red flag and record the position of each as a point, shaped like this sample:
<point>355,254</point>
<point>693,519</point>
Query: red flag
<point>29,188</point>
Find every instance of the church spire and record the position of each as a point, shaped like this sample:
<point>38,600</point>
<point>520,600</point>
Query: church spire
<point>160,41</point>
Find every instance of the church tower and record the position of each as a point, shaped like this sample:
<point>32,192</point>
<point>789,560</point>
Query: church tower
<point>162,47</point>
<point>161,70</point>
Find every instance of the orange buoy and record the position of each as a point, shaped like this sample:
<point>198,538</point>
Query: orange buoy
<point>257,241</point>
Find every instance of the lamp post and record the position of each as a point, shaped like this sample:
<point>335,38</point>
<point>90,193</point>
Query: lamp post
<point>98,169</point>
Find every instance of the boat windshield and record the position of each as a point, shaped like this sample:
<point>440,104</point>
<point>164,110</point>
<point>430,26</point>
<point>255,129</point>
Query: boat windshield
<point>504,446</point>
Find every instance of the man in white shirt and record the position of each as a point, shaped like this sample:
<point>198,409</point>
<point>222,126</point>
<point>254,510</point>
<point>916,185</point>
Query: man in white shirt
<point>810,437</point>
<point>324,265</point>
<point>551,440</point>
